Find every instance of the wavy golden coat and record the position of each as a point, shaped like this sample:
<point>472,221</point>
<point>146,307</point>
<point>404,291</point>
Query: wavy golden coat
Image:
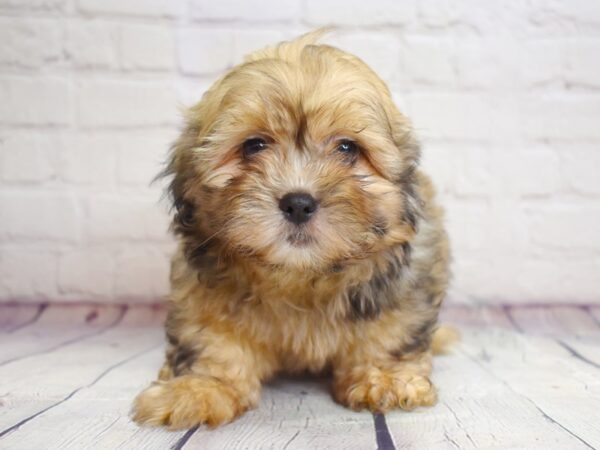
<point>355,290</point>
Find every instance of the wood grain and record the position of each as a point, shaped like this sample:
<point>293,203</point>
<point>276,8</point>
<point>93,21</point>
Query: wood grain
<point>58,326</point>
<point>512,382</point>
<point>15,316</point>
<point>293,414</point>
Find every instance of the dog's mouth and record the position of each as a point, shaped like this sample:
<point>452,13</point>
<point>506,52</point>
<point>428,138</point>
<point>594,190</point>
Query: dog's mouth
<point>300,238</point>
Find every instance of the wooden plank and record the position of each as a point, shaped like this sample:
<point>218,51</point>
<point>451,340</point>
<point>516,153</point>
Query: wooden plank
<point>554,320</point>
<point>564,389</point>
<point>572,327</point>
<point>293,414</point>
<point>30,386</point>
<point>475,410</point>
<point>58,326</point>
<point>474,316</point>
<point>98,415</point>
<point>594,311</point>
<point>14,316</point>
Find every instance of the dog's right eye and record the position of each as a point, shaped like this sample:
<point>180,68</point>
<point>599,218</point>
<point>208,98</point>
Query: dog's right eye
<point>252,146</point>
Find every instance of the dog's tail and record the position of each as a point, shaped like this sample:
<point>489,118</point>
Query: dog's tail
<point>444,337</point>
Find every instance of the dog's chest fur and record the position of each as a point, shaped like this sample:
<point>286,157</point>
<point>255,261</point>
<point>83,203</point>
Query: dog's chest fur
<point>299,323</point>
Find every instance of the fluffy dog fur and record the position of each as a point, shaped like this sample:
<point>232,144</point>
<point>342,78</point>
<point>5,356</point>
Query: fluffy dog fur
<point>355,291</point>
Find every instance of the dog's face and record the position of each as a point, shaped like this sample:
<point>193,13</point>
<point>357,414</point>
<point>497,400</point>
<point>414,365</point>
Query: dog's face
<point>296,158</point>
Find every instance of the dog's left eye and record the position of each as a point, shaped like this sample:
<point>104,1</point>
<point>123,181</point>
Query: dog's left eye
<point>347,147</point>
<point>254,145</point>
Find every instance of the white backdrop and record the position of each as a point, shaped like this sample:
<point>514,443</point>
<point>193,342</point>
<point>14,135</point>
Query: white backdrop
<point>505,96</point>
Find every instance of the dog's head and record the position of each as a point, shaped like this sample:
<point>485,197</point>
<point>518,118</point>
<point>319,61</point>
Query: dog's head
<point>296,158</point>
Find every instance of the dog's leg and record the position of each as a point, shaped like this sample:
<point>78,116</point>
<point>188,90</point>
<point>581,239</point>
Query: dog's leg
<point>385,384</point>
<point>211,385</point>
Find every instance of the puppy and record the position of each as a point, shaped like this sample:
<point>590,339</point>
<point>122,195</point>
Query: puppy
<point>308,238</point>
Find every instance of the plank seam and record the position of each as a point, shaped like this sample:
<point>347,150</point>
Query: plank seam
<point>382,433</point>
<point>83,337</point>
<point>546,416</point>
<point>34,319</point>
<point>575,354</point>
<point>459,424</point>
<point>588,311</point>
<point>185,438</point>
<point>287,444</point>
<point>506,309</point>
<point>552,420</point>
<point>98,378</point>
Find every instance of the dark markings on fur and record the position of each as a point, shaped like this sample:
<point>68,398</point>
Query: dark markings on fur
<point>412,202</point>
<point>301,130</point>
<point>420,339</point>
<point>195,244</point>
<point>380,227</point>
<point>181,169</point>
<point>184,220</point>
<point>336,268</point>
<point>182,358</point>
<point>406,253</point>
<point>368,300</point>
<point>172,339</point>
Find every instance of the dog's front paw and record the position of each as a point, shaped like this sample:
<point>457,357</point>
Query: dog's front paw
<point>381,391</point>
<point>187,401</point>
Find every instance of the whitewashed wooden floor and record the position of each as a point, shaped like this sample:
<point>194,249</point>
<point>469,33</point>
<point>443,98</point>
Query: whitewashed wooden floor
<point>522,377</point>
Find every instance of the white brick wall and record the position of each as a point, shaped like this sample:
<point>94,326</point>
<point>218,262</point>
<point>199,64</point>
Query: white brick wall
<point>505,96</point>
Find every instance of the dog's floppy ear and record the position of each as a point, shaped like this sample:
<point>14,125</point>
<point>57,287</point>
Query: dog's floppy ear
<point>179,169</point>
<point>410,149</point>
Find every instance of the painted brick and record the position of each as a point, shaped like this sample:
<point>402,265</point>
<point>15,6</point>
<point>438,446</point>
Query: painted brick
<point>583,63</point>
<point>39,215</point>
<point>250,10</point>
<point>28,274</point>
<point>42,5</point>
<point>532,171</point>
<point>123,218</point>
<point>248,41</point>
<point>152,8</point>
<point>119,103</point>
<point>580,163</point>
<point>28,157</point>
<point>358,12</point>
<point>380,51</point>
<point>562,116</point>
<point>428,60</point>
<point>147,47</point>
<point>571,227</point>
<point>92,44</point>
<point>503,95</point>
<point>88,159</point>
<point>30,42</point>
<point>142,273</point>
<point>142,156</point>
<point>542,62</point>
<point>488,63</point>
<point>463,115</point>
<point>34,100</point>
<point>203,51</point>
<point>86,272</point>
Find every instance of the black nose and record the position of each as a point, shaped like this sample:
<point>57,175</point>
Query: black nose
<point>297,207</point>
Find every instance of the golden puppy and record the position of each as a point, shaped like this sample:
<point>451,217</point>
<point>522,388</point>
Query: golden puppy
<point>308,241</point>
